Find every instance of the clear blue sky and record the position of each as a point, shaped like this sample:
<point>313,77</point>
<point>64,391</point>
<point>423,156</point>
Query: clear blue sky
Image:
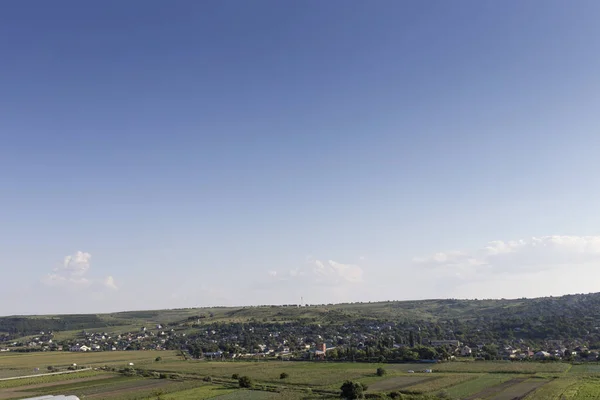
<point>183,153</point>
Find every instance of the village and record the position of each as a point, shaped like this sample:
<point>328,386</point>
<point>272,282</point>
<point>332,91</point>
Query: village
<point>298,342</point>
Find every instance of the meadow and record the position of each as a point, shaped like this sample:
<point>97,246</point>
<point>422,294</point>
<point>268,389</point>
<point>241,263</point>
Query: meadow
<point>108,375</point>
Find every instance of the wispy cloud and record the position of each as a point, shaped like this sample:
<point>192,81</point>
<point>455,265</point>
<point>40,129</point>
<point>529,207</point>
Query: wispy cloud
<point>110,283</point>
<point>518,256</point>
<point>73,274</point>
<point>322,272</point>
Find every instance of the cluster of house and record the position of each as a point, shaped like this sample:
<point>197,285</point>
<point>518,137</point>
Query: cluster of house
<point>552,349</point>
<point>145,339</point>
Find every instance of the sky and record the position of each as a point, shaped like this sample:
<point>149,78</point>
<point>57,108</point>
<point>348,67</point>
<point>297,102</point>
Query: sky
<point>165,154</point>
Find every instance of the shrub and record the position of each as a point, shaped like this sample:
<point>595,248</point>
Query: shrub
<point>157,359</point>
<point>235,376</point>
<point>175,376</point>
<point>352,390</point>
<point>284,375</point>
<point>443,395</point>
<point>381,371</point>
<point>245,382</point>
<point>395,395</point>
<point>207,379</point>
<point>163,376</point>
<point>50,368</point>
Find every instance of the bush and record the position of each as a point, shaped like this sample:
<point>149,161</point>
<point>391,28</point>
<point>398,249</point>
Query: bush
<point>245,382</point>
<point>175,376</point>
<point>395,395</point>
<point>50,368</point>
<point>163,376</point>
<point>381,371</point>
<point>284,375</point>
<point>207,379</point>
<point>157,359</point>
<point>443,395</point>
<point>235,376</point>
<point>352,390</point>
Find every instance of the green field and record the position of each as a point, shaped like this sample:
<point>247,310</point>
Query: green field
<point>173,378</point>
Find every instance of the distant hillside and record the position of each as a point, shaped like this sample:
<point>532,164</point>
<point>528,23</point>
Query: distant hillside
<point>548,317</point>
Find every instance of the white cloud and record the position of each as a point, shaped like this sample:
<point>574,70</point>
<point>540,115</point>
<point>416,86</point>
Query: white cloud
<point>272,273</point>
<point>73,274</point>
<point>77,264</point>
<point>349,272</point>
<point>519,256</point>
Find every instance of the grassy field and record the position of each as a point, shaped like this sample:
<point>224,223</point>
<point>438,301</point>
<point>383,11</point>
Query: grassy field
<point>476,385</point>
<point>188,379</point>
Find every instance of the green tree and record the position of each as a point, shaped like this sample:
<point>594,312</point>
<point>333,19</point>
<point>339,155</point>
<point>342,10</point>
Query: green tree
<point>353,390</point>
<point>381,371</point>
<point>411,339</point>
<point>284,375</point>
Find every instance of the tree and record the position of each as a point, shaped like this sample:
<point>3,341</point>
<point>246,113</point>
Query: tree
<point>284,375</point>
<point>353,390</point>
<point>426,353</point>
<point>245,382</point>
<point>157,359</point>
<point>491,350</point>
<point>235,376</point>
<point>381,371</point>
<point>411,339</point>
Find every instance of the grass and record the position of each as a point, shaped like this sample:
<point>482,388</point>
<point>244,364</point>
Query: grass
<point>46,379</point>
<point>521,389</point>
<point>440,382</point>
<point>256,395</point>
<point>200,393</point>
<point>555,390</point>
<point>512,367</point>
<point>300,373</point>
<point>395,383</point>
<point>27,362</point>
<point>473,386</point>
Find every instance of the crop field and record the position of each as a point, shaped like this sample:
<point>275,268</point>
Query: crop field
<point>494,367</point>
<point>519,390</point>
<point>398,382</point>
<point>476,385</point>
<point>14,364</point>
<point>109,376</point>
<point>440,382</point>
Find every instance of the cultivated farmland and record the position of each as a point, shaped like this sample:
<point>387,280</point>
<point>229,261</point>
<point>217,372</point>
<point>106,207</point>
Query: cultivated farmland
<point>109,375</point>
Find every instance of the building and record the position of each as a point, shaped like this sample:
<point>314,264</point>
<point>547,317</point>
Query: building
<point>466,351</point>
